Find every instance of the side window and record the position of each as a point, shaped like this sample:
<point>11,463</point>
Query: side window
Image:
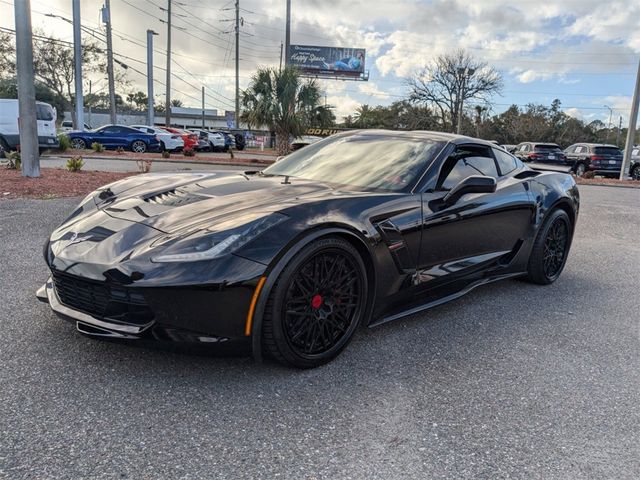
<point>44,112</point>
<point>635,152</point>
<point>524,148</point>
<point>465,162</point>
<point>578,149</point>
<point>506,163</point>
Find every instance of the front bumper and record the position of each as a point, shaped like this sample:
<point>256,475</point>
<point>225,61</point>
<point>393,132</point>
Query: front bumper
<point>168,327</point>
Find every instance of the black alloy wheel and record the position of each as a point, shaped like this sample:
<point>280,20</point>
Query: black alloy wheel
<point>635,173</point>
<point>581,169</point>
<point>316,304</point>
<point>551,248</point>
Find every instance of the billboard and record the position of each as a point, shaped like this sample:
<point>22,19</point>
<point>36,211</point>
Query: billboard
<point>328,61</point>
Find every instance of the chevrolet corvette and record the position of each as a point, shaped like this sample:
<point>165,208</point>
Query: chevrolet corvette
<point>359,229</point>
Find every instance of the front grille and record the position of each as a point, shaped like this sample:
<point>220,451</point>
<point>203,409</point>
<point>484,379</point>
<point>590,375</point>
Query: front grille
<point>102,299</point>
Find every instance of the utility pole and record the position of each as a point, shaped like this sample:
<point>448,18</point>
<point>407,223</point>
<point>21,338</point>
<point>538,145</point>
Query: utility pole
<point>27,122</point>
<point>106,19</point>
<point>466,73</point>
<point>287,36</point>
<point>631,134</point>
<point>281,48</point>
<point>237,112</point>
<point>619,129</point>
<point>203,107</point>
<point>609,124</point>
<point>77,58</point>
<point>89,109</point>
<point>150,107</point>
<point>167,112</point>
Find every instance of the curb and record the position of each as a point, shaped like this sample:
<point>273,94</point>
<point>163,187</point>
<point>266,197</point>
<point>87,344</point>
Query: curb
<point>613,185</point>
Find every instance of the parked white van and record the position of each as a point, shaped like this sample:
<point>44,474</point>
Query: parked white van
<point>9,133</point>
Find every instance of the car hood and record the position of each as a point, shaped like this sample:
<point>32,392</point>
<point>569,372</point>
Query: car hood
<point>170,203</point>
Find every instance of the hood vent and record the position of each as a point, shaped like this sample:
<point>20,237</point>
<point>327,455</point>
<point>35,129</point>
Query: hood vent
<point>173,198</point>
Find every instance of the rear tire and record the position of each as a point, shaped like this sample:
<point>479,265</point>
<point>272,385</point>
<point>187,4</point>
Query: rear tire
<point>581,169</point>
<point>635,173</point>
<point>550,249</point>
<point>316,304</point>
<point>138,146</point>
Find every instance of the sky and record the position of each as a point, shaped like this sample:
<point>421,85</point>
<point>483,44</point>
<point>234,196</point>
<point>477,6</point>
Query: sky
<point>583,52</point>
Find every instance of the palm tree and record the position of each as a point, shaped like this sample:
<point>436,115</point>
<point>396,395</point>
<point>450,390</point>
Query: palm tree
<point>280,100</point>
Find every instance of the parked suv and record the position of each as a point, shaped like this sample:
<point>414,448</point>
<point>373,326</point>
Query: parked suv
<point>605,160</point>
<point>542,153</point>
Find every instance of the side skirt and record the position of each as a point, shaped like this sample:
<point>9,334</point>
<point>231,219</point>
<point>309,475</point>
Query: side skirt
<point>442,300</point>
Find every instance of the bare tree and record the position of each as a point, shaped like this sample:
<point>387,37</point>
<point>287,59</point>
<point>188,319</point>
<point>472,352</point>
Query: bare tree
<point>452,79</point>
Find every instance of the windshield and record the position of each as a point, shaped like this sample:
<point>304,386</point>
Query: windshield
<point>369,161</point>
<point>608,151</point>
<point>547,148</point>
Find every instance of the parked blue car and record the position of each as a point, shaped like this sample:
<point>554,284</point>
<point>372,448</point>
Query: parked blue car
<point>114,136</point>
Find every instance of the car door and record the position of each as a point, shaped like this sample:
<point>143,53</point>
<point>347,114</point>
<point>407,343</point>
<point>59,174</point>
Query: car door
<point>478,229</point>
<point>110,137</point>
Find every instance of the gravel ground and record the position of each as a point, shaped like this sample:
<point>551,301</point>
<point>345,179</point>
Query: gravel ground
<point>511,381</point>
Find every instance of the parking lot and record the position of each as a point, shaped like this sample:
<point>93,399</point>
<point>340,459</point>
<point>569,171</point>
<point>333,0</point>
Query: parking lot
<point>511,381</point>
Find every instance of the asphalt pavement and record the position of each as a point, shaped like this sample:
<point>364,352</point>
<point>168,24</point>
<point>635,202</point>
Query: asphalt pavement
<point>511,381</point>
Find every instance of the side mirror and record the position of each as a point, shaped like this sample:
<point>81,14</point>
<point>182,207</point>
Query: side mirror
<point>472,184</point>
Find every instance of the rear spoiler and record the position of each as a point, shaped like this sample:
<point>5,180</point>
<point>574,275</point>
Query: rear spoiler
<point>546,167</point>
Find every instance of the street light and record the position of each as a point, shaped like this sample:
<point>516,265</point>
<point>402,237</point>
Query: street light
<point>608,126</point>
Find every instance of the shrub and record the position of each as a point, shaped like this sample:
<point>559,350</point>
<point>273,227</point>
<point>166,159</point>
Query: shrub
<point>166,154</point>
<point>97,147</point>
<point>589,174</point>
<point>75,164</point>
<point>64,141</point>
<point>189,152</point>
<point>119,150</point>
<point>144,166</point>
<point>14,161</point>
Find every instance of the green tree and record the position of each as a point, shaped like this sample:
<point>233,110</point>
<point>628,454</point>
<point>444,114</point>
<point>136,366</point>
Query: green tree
<point>54,67</point>
<point>137,100</point>
<point>9,89</point>
<point>7,56</point>
<point>282,101</point>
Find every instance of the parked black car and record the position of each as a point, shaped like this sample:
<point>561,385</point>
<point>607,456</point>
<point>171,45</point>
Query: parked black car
<point>290,261</point>
<point>544,154</point>
<point>634,166</point>
<point>605,160</point>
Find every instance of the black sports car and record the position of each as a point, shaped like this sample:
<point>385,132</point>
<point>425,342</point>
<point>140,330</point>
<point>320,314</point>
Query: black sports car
<point>358,229</point>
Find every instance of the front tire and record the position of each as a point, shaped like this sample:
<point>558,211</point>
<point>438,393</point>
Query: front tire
<point>78,144</point>
<point>138,146</point>
<point>550,249</point>
<point>316,304</point>
<point>581,169</point>
<point>635,173</point>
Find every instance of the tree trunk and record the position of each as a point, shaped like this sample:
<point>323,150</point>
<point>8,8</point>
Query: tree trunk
<point>283,145</point>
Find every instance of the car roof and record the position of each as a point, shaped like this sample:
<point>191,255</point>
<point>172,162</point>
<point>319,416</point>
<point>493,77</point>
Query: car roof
<point>598,145</point>
<point>419,134</point>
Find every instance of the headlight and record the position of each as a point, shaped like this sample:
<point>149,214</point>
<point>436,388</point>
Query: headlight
<point>205,245</point>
